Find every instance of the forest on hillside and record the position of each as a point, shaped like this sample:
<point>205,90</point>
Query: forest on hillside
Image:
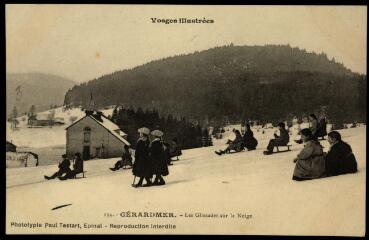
<point>234,83</point>
<point>187,134</point>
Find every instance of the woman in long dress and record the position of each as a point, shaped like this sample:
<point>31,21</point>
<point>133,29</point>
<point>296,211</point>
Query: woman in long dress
<point>158,158</point>
<point>142,166</point>
<point>310,163</point>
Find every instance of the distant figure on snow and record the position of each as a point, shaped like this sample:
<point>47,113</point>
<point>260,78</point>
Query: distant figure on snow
<point>310,163</point>
<point>314,125</point>
<point>125,161</point>
<point>142,166</point>
<point>158,158</point>
<point>77,168</point>
<point>63,168</point>
<point>236,144</point>
<point>339,159</point>
<point>322,128</point>
<point>280,140</point>
<point>166,147</point>
<point>249,141</point>
<point>175,150</point>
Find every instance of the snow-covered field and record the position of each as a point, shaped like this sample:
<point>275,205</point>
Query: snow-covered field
<point>200,182</point>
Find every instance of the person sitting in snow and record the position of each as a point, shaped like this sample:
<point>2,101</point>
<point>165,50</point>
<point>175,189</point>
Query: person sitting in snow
<point>236,144</point>
<point>63,168</point>
<point>280,140</point>
<point>310,163</point>
<point>125,161</point>
<point>339,159</point>
<point>77,168</point>
<point>249,141</point>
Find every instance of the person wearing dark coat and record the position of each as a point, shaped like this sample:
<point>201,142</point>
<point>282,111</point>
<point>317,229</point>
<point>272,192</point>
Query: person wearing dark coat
<point>77,168</point>
<point>310,163</point>
<point>175,150</point>
<point>63,168</point>
<point>322,128</point>
<point>142,166</point>
<point>280,140</point>
<point>167,153</point>
<point>249,140</point>
<point>236,144</point>
<point>125,161</point>
<point>158,158</point>
<point>314,126</point>
<point>339,159</point>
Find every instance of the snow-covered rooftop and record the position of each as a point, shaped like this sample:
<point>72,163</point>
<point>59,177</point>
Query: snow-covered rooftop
<point>111,127</point>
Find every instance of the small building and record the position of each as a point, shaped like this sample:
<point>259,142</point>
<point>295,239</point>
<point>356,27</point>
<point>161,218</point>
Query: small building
<point>39,121</point>
<point>10,147</point>
<point>95,136</point>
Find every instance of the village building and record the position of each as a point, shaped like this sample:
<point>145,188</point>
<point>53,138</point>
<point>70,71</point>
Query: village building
<point>10,147</point>
<point>41,120</point>
<point>95,136</point>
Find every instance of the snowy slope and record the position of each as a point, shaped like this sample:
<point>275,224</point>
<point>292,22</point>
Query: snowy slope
<point>246,182</point>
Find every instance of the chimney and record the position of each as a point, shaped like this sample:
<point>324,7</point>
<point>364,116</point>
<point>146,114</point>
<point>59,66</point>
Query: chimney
<point>98,115</point>
<point>89,112</point>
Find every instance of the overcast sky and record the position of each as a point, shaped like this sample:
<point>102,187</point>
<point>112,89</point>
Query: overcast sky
<point>83,42</point>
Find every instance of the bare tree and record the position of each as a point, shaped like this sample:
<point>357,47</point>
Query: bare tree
<point>14,118</point>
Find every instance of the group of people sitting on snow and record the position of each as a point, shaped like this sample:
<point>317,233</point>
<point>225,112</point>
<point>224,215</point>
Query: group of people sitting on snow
<point>247,141</point>
<point>311,162</point>
<point>64,171</point>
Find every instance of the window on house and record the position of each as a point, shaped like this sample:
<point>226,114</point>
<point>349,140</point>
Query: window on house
<point>87,134</point>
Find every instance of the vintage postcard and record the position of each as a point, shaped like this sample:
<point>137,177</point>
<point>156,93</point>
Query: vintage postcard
<point>186,119</point>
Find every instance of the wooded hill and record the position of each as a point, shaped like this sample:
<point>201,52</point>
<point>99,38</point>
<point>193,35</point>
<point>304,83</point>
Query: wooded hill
<point>234,83</point>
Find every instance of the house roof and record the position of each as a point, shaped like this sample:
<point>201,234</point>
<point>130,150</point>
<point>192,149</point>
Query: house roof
<point>7,142</point>
<point>59,120</point>
<point>42,117</point>
<point>108,125</point>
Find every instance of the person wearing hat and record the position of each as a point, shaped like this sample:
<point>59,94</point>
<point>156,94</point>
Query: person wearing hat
<point>280,140</point>
<point>158,158</point>
<point>142,166</point>
<point>63,168</point>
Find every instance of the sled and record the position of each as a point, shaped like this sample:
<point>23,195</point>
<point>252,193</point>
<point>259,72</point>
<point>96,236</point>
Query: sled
<point>83,174</point>
<point>278,150</point>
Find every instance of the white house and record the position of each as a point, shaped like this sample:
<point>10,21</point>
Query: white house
<point>95,136</point>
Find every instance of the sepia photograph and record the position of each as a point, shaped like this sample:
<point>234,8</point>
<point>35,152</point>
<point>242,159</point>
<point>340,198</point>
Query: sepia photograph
<point>186,119</point>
